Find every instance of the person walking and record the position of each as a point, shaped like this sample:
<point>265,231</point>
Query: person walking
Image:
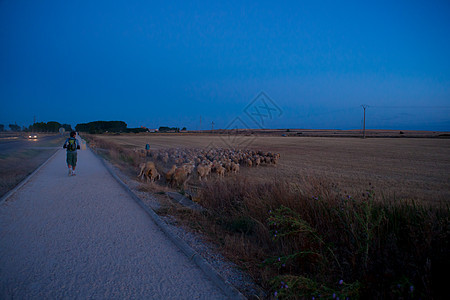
<point>71,144</point>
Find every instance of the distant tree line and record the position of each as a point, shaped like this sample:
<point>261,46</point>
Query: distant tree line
<point>51,126</point>
<point>168,129</point>
<point>14,127</point>
<point>39,127</point>
<point>137,130</point>
<point>99,127</point>
<point>102,126</point>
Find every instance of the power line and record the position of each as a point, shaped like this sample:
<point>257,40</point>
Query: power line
<point>440,107</point>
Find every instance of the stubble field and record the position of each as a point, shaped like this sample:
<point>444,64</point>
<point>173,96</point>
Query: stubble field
<point>411,168</point>
<point>333,218</point>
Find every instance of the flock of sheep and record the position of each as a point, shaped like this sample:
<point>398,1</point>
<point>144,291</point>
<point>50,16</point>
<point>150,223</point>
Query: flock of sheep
<point>202,162</point>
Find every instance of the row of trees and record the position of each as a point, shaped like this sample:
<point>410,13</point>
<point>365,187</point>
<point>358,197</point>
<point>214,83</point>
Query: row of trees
<point>91,127</point>
<point>49,127</point>
<point>170,129</point>
<point>117,127</point>
<point>13,127</point>
<point>39,127</point>
<point>102,126</point>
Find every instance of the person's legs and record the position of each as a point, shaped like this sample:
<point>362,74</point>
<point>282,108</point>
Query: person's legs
<point>74,163</point>
<point>71,162</point>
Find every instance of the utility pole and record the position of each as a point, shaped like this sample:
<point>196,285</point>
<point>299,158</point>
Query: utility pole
<point>212,126</point>
<point>364,126</point>
<point>200,123</point>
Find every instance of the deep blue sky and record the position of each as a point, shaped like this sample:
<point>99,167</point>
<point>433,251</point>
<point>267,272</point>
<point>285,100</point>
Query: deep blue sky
<point>170,62</point>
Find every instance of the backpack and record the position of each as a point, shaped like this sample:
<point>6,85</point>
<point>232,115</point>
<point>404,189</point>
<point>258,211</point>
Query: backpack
<point>72,144</point>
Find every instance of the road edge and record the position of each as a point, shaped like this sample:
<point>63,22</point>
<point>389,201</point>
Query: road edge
<point>23,182</point>
<point>226,287</point>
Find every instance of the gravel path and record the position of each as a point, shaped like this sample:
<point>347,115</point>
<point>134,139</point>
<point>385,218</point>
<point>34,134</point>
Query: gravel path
<point>84,237</point>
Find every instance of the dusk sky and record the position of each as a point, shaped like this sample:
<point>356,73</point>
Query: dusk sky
<point>172,63</point>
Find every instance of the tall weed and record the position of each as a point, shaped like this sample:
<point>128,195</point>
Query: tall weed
<point>332,244</point>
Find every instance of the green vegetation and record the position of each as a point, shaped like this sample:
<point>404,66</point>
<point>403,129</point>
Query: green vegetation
<point>102,126</point>
<point>14,127</point>
<point>168,129</point>
<point>137,130</point>
<point>49,127</point>
<point>99,127</point>
<point>320,243</point>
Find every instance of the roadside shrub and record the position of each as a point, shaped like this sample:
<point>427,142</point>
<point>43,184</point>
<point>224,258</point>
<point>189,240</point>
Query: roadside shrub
<point>118,154</point>
<point>241,224</point>
<point>327,244</point>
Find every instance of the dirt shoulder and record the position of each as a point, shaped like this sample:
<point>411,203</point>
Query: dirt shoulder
<point>20,160</point>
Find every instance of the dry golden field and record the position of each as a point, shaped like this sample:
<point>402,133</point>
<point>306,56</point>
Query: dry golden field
<point>413,168</point>
<point>319,217</point>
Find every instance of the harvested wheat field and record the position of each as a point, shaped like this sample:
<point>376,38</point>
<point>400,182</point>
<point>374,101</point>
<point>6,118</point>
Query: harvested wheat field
<point>412,168</point>
<point>322,215</point>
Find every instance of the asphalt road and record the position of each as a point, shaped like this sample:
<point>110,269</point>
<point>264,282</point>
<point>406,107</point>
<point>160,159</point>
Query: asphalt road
<point>8,145</point>
<point>84,237</point>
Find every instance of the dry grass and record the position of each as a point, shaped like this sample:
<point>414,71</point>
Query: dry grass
<point>339,216</point>
<point>401,168</point>
<point>311,237</point>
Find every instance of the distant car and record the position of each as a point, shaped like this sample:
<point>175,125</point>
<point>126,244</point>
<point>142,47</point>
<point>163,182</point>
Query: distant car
<point>32,136</point>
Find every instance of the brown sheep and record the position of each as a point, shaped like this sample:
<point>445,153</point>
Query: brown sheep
<point>179,177</point>
<point>148,170</point>
<point>228,166</point>
<point>188,167</point>
<point>274,160</point>
<point>203,171</point>
<point>170,173</point>
<point>153,175</point>
<point>144,167</point>
<point>220,170</point>
<point>249,162</point>
<point>234,168</point>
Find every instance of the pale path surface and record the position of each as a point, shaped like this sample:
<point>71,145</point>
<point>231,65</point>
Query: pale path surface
<point>84,237</point>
